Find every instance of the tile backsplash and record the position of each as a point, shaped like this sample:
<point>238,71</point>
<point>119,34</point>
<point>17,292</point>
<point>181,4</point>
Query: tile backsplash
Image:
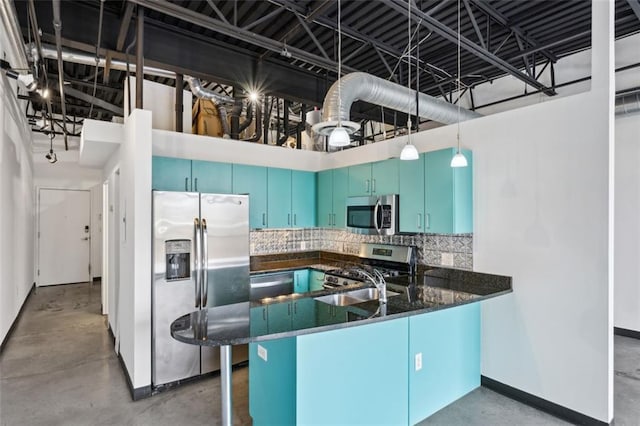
<point>433,249</point>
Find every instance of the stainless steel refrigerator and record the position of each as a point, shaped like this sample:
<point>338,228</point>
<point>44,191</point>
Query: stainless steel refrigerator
<point>200,259</point>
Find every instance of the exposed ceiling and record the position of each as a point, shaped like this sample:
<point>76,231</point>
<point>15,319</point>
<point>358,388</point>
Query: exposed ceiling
<point>288,48</point>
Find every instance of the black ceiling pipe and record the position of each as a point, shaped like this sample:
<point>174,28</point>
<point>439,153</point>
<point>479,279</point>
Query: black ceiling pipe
<point>179,103</point>
<point>139,57</point>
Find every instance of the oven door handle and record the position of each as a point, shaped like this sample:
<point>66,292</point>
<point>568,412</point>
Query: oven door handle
<point>375,215</point>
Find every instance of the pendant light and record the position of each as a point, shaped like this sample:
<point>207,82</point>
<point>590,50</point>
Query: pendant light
<point>51,156</point>
<point>409,151</point>
<point>339,136</point>
<point>459,160</point>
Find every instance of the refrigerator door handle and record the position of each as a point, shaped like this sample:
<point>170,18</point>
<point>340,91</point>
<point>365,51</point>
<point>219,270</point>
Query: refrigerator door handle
<point>196,257</point>
<point>204,262</point>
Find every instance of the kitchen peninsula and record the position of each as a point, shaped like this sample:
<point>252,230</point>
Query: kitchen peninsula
<point>313,362</point>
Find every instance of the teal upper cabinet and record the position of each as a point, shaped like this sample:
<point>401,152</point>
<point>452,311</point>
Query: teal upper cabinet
<point>379,178</point>
<point>340,182</point>
<point>279,198</point>
<point>170,174</point>
<point>252,180</point>
<point>448,193</point>
<point>412,195</point>
<point>316,279</point>
<point>324,198</point>
<point>212,177</point>
<point>303,199</point>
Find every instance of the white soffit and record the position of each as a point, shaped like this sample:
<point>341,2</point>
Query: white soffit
<point>98,142</point>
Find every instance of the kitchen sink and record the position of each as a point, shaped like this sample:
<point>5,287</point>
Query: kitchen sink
<point>353,297</point>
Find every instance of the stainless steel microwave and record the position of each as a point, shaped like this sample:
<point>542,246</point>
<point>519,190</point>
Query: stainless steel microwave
<point>376,215</point>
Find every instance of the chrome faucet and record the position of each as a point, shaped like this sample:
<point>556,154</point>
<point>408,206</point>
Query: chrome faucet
<point>378,282</point>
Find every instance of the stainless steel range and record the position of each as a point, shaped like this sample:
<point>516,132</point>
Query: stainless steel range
<point>389,260</point>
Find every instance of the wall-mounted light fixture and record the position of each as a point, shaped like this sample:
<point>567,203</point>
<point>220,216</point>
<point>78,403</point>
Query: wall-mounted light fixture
<point>459,160</point>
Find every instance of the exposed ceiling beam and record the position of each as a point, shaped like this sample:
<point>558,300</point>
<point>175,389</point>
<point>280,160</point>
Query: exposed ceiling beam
<point>449,34</point>
<point>238,33</point>
<point>635,6</point>
<point>79,94</point>
<point>124,26</point>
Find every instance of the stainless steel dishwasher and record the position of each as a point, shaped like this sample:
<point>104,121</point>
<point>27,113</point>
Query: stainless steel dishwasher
<point>271,285</point>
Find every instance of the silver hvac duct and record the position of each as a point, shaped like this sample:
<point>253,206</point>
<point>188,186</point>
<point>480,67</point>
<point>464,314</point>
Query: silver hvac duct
<point>8,12</point>
<point>217,99</point>
<point>359,86</point>
<point>628,102</point>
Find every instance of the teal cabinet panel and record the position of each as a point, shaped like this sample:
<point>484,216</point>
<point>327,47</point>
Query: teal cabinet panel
<point>360,180</point>
<point>279,198</point>
<point>170,174</point>
<point>384,177</point>
<point>304,314</point>
<point>450,367</point>
<point>303,199</point>
<point>448,193</point>
<point>301,281</point>
<point>374,359</point>
<point>324,198</point>
<point>463,196</point>
<point>411,176</point>
<point>211,177</point>
<point>328,314</point>
<point>258,321</point>
<point>340,191</point>
<point>252,180</point>
<point>272,389</point>
<point>279,315</point>
<point>316,278</point>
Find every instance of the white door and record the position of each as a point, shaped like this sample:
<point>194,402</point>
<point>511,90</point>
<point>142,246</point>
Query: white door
<point>64,242</point>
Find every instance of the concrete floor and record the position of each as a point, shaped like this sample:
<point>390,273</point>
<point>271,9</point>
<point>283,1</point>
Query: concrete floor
<point>59,368</point>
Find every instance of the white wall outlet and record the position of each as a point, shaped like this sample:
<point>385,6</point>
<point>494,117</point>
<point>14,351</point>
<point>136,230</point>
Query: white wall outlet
<point>262,352</point>
<point>418,363</point>
<point>446,259</point>
<point>303,245</point>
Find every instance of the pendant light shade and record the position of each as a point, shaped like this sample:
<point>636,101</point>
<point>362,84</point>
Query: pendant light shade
<point>339,137</point>
<point>409,152</point>
<point>459,160</point>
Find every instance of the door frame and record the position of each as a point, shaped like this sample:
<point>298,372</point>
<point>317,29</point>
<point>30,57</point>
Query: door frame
<point>38,228</point>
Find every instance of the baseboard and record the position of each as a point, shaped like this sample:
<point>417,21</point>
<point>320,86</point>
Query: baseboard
<point>626,332</point>
<point>554,409</point>
<point>15,321</point>
<point>136,394</point>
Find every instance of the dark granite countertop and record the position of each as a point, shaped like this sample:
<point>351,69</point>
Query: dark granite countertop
<point>297,314</point>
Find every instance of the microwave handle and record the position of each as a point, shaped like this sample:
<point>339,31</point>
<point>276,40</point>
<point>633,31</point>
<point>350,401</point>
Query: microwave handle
<point>375,215</point>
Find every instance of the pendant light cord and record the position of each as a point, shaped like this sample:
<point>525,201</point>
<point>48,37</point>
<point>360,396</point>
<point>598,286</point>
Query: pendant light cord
<point>409,65</point>
<point>339,65</point>
<point>458,75</point>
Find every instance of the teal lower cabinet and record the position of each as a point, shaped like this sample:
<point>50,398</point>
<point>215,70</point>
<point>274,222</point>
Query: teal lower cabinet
<point>449,343</point>
<point>259,321</point>
<point>316,279</point>
<point>301,281</point>
<point>367,374</point>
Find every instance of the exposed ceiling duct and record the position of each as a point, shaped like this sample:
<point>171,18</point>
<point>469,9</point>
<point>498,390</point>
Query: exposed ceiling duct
<point>217,99</point>
<point>628,102</point>
<point>359,86</point>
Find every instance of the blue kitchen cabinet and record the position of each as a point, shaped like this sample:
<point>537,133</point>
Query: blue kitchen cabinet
<point>301,281</point>
<point>211,177</point>
<point>450,367</point>
<point>170,174</point>
<point>448,193</point>
<point>304,314</point>
<point>316,279</point>
<point>272,390</point>
<point>412,181</point>
<point>279,317</point>
<point>379,178</point>
<point>259,323</point>
<point>324,198</point>
<point>329,314</point>
<point>279,198</point>
<point>252,180</point>
<point>303,199</point>
<point>340,191</point>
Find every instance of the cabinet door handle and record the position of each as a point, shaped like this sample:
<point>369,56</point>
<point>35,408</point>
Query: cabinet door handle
<point>295,221</point>
<point>186,184</point>
<point>373,185</point>
<point>289,309</point>
<point>195,182</point>
<point>264,219</point>
<point>295,307</point>
<point>427,224</point>
<point>288,218</point>
<point>334,219</point>
<point>329,223</point>
<point>368,186</point>
<point>419,220</point>
<point>264,314</point>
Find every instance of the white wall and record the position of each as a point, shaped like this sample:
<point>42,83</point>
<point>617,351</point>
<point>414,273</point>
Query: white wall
<point>16,199</point>
<point>627,236</point>
<point>135,248</point>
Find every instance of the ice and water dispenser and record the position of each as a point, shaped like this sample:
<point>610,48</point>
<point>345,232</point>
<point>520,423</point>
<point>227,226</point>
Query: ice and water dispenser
<point>178,259</point>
